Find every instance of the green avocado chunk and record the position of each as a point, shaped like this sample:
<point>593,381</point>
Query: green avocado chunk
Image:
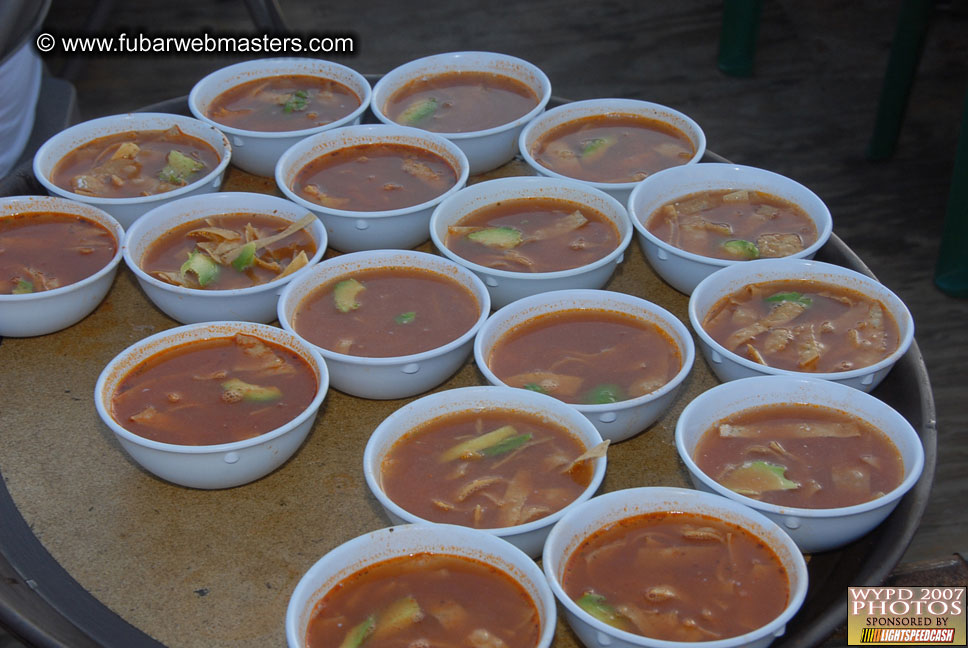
<point>405,318</point>
<point>359,633</point>
<point>605,394</point>
<point>202,265</point>
<point>597,606</point>
<point>799,298</point>
<point>754,478</point>
<point>506,446</point>
<point>594,149</point>
<point>499,237</point>
<point>179,168</point>
<point>23,287</point>
<point>742,248</point>
<point>252,393</point>
<point>418,111</point>
<point>245,258</point>
<point>345,293</point>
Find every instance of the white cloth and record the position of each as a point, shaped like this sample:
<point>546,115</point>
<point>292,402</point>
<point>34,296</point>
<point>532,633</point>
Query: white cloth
<point>19,89</point>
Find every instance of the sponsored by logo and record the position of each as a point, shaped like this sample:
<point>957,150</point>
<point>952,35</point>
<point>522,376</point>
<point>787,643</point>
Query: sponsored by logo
<point>913,616</point>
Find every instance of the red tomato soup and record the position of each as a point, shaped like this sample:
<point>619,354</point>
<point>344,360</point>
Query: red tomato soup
<point>214,391</point>
<point>229,251</point>
<point>425,600</point>
<point>46,250</point>
<point>612,148</point>
<point>734,224</point>
<point>677,577</point>
<point>287,102</point>
<point>459,102</point>
<point>586,356</point>
<point>533,235</point>
<point>803,326</point>
<point>386,312</point>
<point>135,163</point>
<point>486,469</point>
<point>800,455</point>
<point>375,177</point>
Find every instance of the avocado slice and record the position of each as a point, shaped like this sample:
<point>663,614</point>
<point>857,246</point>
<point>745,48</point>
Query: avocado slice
<point>418,111</point>
<point>245,258</point>
<point>499,237</point>
<point>506,446</point>
<point>345,293</point>
<point>799,298</point>
<point>754,478</point>
<point>179,167</point>
<point>399,615</point>
<point>594,149</point>
<point>23,287</point>
<point>598,606</point>
<point>253,393</point>
<point>742,249</point>
<point>359,633</point>
<point>202,265</point>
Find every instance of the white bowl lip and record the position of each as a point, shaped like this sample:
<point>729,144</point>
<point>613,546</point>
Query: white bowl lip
<point>370,259</point>
<point>821,218</point>
<point>12,205</point>
<point>308,66</point>
<point>368,134</point>
<point>567,300</point>
<point>477,394</point>
<point>606,106</point>
<point>763,385</point>
<point>201,202</point>
<point>218,329</point>
<point>454,541</point>
<point>538,183</point>
<point>122,123</point>
<point>460,61</point>
<point>803,269</point>
<point>796,596</point>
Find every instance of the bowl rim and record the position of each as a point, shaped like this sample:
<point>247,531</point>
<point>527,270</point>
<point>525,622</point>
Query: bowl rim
<point>89,211</point>
<point>420,260</point>
<point>225,154</point>
<point>318,232</point>
<point>802,269</point>
<point>388,84</point>
<point>569,184</point>
<point>218,329</point>
<point>214,77</point>
<point>372,134</point>
<point>608,106</point>
<point>479,393</point>
<point>797,594</point>
<point>762,385</point>
<point>824,224</point>
<point>567,300</point>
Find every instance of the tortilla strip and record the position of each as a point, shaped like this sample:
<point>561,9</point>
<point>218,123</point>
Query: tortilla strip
<point>786,312</point>
<point>793,430</point>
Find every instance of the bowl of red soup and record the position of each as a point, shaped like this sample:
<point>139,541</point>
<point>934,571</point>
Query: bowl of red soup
<point>222,256</point>
<point>662,567</point>
<point>823,461</point>
<point>390,323</point>
<point>693,220</point>
<point>610,144</point>
<point>373,186</point>
<point>265,106</point>
<point>618,359</point>
<point>128,164</point>
<point>58,259</point>
<point>212,405</point>
<point>479,100</point>
<point>422,585</point>
<point>799,317</point>
<point>524,236</point>
<point>507,461</point>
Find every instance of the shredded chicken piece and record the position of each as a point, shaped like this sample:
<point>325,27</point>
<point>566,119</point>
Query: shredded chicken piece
<point>481,638</point>
<point>661,593</point>
<point>703,533</point>
<point>421,171</point>
<point>478,484</point>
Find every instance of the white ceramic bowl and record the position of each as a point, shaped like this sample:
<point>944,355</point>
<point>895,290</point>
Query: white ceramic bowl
<point>127,210</point>
<point>397,376</point>
<point>614,421</point>
<point>730,366</point>
<point>189,305</point>
<point>258,151</point>
<point>44,312</point>
<point>600,511</point>
<point>812,529</point>
<point>392,542</point>
<point>684,270</point>
<point>591,107</point>
<point>223,465</point>
<point>485,149</point>
<point>506,286</point>
<point>528,537</point>
<point>352,231</point>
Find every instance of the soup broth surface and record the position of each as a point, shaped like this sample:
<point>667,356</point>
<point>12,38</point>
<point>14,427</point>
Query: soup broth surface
<point>286,102</point>
<point>804,326</point>
<point>677,577</point>
<point>460,102</point>
<point>533,235</point>
<point>485,469</point>
<point>45,250</point>
<point>426,599</point>
<point>612,148</point>
<point>734,224</point>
